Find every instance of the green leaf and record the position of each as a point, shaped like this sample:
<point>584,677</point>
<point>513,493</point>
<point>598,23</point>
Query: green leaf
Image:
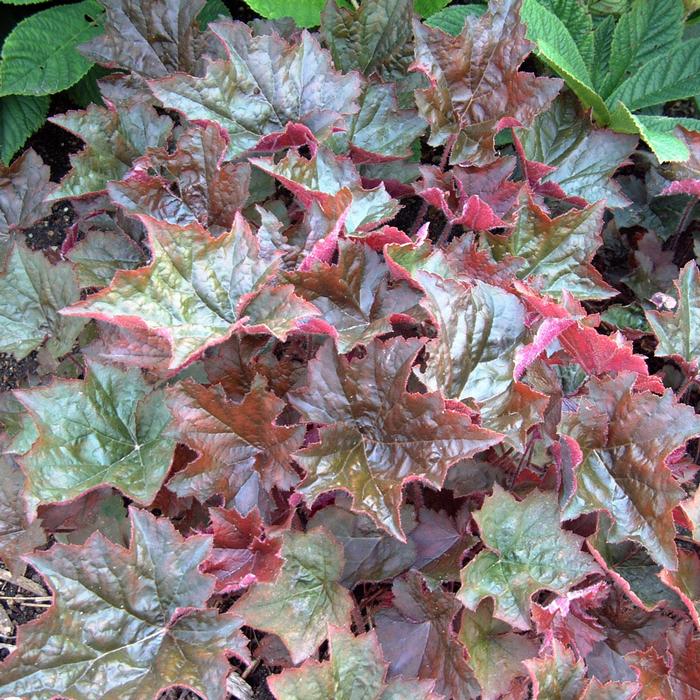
<point>576,17</point>
<point>375,38</point>
<point>100,254</point>
<point>32,291</point>
<point>131,622</point>
<point>656,132</point>
<point>105,430</point>
<point>625,438</point>
<point>650,28</point>
<point>558,251</point>
<point>114,136</point>
<point>370,448</point>
<point>559,676</point>
<point>197,290</point>
<point>305,597</point>
<point>496,653</point>
<point>306,13</point>
<point>265,83</point>
<point>213,10</point>
<point>20,117</point>
<point>602,46</point>
<point>355,671</point>
<point>23,2</point>
<point>380,127</point>
<point>673,75</point>
<point>527,551</point>
<point>451,19</point>
<point>632,569</point>
<point>679,333</point>
<point>557,48</point>
<point>39,56</point>
<point>427,8</point>
<point>585,158</point>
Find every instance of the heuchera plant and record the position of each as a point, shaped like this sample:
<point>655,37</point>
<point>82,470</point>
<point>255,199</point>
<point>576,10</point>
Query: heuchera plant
<point>362,363</point>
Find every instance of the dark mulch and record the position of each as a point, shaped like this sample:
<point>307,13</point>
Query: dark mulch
<point>14,373</point>
<point>51,231</point>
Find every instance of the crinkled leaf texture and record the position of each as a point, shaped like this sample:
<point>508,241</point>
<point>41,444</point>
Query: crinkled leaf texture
<point>130,29</point>
<point>625,439</point>
<point>355,670</point>
<point>527,551</point>
<point>107,429</point>
<point>375,434</point>
<point>234,440</point>
<point>32,292</point>
<point>263,84</point>
<point>129,622</point>
<point>304,598</point>
<point>476,88</point>
<point>188,294</point>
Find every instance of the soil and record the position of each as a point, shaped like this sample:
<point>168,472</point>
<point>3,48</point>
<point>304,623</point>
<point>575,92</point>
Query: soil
<point>51,231</point>
<point>15,373</point>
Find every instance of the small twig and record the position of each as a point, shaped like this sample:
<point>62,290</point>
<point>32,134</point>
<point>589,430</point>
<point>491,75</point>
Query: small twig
<point>36,599</point>
<point>250,669</point>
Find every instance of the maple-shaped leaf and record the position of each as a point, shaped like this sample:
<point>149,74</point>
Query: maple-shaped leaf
<point>125,623</point>
<point>264,84</point>
<point>583,158</point>
<point>32,292</point>
<point>625,438</point>
<point>557,676</point>
<point>114,137</point>
<point>187,185</point>
<point>380,131</point>
<point>374,38</point>
<point>152,38</point>
<point>356,296</point>
<point>678,332</point>
<point>684,656</point>
<point>474,356</point>
<point>686,582</point>
<point>476,88</point>
<point>322,178</point>
<point>129,347</point>
<point>527,551</point>
<point>24,186</point>
<point>18,535</point>
<point>632,569</point>
<point>496,652</point>
<point>304,598</point>
<point>557,253</point>
<point>233,440</point>
<point>576,333</point>
<point>417,639</point>
<point>242,552</point>
<point>614,690</point>
<point>568,618</point>
<point>686,174</point>
<point>652,674</point>
<point>354,670</point>
<point>99,255</point>
<point>197,290</point>
<point>107,429</point>
<point>440,540</point>
<point>375,434</point>
<point>476,197</point>
<point>370,553</point>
